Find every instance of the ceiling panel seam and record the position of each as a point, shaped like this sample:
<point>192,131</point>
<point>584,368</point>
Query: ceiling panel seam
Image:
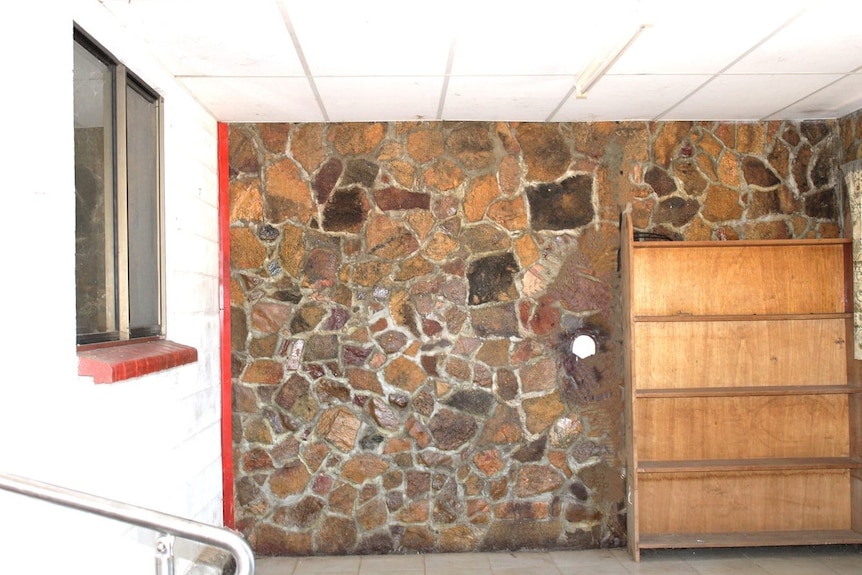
<point>301,55</point>
<point>445,88</point>
<point>731,64</point>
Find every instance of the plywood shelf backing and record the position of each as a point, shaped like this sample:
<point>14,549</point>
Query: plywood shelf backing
<point>743,403</point>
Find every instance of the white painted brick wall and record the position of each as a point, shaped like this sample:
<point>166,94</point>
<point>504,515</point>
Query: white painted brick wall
<point>152,441</point>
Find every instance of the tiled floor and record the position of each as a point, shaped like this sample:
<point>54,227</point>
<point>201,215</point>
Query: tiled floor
<point>814,560</point>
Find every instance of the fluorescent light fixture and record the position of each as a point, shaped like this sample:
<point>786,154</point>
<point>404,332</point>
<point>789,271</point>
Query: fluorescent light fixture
<point>599,67</point>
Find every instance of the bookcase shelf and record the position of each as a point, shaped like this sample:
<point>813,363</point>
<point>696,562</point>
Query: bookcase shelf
<point>743,401</point>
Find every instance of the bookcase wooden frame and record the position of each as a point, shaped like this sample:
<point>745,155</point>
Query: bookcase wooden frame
<point>743,401</point>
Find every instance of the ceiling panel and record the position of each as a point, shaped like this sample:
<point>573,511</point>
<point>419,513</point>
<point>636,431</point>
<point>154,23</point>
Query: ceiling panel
<point>819,41</point>
<point>369,99</point>
<point>840,98</point>
<point>256,99</point>
<point>748,97</point>
<point>206,38</point>
<point>548,38</point>
<point>388,38</point>
<point>680,40</point>
<point>385,60</point>
<point>524,99</point>
<point>629,98</point>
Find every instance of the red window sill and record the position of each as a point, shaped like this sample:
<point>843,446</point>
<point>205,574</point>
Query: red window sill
<point>118,362</point>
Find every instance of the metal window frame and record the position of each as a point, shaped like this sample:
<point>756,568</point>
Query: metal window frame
<point>123,78</point>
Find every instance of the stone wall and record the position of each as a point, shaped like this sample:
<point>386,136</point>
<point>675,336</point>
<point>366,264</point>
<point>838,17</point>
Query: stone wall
<point>404,296</point>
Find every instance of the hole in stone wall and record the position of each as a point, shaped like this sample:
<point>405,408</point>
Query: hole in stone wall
<point>583,346</point>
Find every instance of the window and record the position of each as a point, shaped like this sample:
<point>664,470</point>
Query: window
<point>118,211</point>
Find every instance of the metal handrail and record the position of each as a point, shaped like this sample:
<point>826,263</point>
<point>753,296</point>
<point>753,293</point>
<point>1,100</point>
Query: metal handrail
<point>219,537</point>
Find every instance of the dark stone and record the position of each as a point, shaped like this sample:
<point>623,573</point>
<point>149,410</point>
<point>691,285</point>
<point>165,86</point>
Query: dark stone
<point>821,172</point>
<point>495,321</point>
<point>269,540</point>
<point>423,403</point>
<point>377,543</point>
<point>326,179</point>
<point>583,539</point>
<point>472,401</point>
<point>446,505</point>
<point>821,205</point>
<point>693,181</point>
<point>336,535</point>
<point>346,211</point>
<point>791,136</point>
<point>676,211</point>
<point>660,181</point>
<point>306,318</point>
<point>418,483</point>
<point>521,534</point>
<point>533,451</point>
<point>579,490</point>
<point>484,238</point>
<point>758,173</point>
<point>370,441</point>
<point>429,364</point>
<point>337,319</point>
<point>399,399</point>
<point>392,341</point>
<point>321,267</point>
<point>507,384</point>
<point>361,172</point>
<point>352,355</point>
<point>296,398</point>
<point>237,364</point>
<point>472,145</point>
<point>394,500</point>
<point>491,279</point>
<point>304,513</point>
<point>267,233</point>
<point>390,199</point>
<point>315,370</point>
<point>814,131</point>
<point>455,290</point>
<point>247,490</point>
<point>800,170</point>
<point>242,153</point>
<point>238,328</point>
<point>418,538</point>
<point>562,206</point>
<point>383,415</point>
<point>329,390</point>
<point>764,203</point>
<point>431,327</point>
<point>321,347</point>
<point>451,430</point>
<point>276,420</point>
<point>290,295</point>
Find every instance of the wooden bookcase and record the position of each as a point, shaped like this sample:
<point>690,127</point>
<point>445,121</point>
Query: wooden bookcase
<point>743,400</point>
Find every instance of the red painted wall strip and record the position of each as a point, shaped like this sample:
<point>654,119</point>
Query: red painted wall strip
<point>224,313</point>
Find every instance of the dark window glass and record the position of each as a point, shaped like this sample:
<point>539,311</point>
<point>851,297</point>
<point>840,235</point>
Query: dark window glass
<point>95,238</point>
<point>142,153</point>
<point>118,228</point>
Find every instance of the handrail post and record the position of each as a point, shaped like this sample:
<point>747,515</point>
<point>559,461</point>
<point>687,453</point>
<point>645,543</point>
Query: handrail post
<point>164,554</point>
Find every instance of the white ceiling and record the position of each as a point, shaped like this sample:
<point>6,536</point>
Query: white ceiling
<point>390,60</point>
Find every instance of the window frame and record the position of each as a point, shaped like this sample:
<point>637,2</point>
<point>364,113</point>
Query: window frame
<point>122,80</point>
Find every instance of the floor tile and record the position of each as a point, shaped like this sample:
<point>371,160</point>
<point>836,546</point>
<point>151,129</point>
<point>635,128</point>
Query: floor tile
<point>348,565</point>
<point>458,561</point>
<point>392,565</point>
<point>807,560</point>
<point>275,565</point>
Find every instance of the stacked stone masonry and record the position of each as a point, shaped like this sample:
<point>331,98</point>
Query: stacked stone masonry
<point>403,300</point>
